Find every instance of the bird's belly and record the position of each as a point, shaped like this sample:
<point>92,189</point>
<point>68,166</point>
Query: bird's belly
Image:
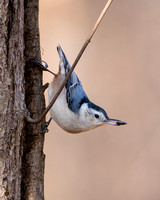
<point>62,115</point>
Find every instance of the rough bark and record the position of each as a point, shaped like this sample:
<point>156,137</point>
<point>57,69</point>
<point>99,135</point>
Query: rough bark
<point>11,97</point>
<point>33,157</point>
<point>21,144</point>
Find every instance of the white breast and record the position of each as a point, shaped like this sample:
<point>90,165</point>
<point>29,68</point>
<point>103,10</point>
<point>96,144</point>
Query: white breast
<point>61,114</point>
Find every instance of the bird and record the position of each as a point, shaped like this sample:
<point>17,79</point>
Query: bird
<point>72,110</point>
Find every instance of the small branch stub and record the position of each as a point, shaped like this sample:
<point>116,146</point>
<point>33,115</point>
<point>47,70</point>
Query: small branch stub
<point>36,121</point>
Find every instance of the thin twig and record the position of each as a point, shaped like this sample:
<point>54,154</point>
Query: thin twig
<point>36,121</point>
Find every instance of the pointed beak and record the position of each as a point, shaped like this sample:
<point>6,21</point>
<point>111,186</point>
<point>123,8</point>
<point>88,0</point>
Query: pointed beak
<point>115,122</point>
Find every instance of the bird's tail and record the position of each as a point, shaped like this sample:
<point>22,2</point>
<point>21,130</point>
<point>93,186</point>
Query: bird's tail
<point>63,64</point>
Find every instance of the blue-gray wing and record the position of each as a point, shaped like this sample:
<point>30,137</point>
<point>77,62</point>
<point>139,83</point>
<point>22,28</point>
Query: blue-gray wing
<point>75,94</point>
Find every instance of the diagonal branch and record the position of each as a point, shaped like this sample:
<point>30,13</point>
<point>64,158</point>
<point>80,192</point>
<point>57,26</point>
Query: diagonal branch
<point>36,121</point>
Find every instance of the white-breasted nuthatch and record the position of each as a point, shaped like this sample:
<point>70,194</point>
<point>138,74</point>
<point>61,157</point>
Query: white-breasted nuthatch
<point>73,111</point>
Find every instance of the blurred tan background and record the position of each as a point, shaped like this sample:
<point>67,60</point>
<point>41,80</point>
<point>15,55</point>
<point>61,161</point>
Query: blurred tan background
<point>120,72</point>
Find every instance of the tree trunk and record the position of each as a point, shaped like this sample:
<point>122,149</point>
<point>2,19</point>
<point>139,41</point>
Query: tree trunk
<point>21,143</point>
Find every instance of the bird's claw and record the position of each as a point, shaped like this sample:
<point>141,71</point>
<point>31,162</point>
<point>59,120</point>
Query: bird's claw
<point>45,86</point>
<point>39,64</point>
<point>43,67</point>
<point>45,130</point>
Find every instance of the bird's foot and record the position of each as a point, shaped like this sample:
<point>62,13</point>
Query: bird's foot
<point>45,86</point>
<point>45,130</point>
<point>44,66</point>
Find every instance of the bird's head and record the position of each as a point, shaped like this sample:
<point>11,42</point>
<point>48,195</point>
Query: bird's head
<point>94,116</point>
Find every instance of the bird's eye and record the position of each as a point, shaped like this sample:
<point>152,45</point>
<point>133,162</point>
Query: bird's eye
<point>96,116</point>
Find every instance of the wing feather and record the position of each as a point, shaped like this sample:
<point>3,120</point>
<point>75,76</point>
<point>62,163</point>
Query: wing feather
<point>75,94</point>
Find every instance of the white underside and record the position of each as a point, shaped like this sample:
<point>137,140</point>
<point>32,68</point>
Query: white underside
<point>62,115</point>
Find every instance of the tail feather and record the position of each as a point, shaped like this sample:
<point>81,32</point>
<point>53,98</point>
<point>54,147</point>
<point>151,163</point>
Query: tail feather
<point>63,64</point>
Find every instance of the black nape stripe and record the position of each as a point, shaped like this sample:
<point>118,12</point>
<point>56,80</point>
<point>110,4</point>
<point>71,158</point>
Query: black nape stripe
<point>97,108</point>
<point>84,100</point>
